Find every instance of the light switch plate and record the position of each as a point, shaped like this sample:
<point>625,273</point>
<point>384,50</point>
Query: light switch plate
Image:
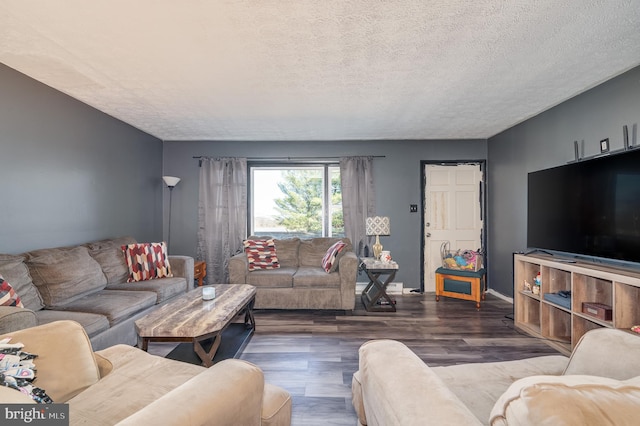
<point>604,145</point>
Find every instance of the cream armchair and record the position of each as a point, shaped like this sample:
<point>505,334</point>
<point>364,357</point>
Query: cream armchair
<point>125,386</point>
<point>598,385</point>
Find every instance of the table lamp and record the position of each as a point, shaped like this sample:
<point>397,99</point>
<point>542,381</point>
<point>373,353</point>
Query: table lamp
<point>378,225</point>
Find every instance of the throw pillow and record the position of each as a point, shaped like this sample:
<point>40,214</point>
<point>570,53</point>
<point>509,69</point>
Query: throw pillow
<point>332,256</point>
<point>17,371</point>
<point>14,270</point>
<point>8,296</point>
<point>147,261</point>
<point>261,254</point>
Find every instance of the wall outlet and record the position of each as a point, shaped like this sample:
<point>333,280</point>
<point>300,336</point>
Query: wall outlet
<point>413,208</point>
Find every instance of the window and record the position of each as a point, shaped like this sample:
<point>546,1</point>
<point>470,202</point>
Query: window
<point>295,201</point>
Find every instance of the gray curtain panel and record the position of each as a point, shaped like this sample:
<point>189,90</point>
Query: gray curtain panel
<point>222,214</point>
<point>358,197</point>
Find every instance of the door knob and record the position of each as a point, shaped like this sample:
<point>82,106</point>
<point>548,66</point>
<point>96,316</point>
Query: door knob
<point>428,234</point>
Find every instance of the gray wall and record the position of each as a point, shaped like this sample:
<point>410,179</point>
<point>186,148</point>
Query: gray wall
<point>70,173</point>
<point>397,180</point>
<point>546,141</point>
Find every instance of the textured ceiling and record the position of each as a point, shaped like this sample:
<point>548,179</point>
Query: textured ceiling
<point>320,69</point>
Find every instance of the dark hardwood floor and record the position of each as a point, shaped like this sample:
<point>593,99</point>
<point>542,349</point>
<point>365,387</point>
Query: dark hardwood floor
<point>313,354</point>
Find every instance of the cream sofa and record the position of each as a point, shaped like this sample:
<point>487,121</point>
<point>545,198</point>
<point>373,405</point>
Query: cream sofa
<point>87,284</point>
<point>598,385</point>
<point>300,282</point>
<point>125,386</point>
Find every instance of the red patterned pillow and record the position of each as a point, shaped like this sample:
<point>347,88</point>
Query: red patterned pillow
<point>261,254</point>
<point>332,256</point>
<point>147,261</point>
<point>8,296</point>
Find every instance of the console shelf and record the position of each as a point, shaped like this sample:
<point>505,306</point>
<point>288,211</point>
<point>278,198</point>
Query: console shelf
<point>562,327</point>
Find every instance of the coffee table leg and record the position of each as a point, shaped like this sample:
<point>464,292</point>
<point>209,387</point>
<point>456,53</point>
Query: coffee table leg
<point>143,343</point>
<point>207,356</point>
<point>249,320</point>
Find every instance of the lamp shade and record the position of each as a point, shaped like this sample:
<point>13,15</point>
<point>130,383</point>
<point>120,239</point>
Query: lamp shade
<point>171,181</point>
<point>378,225</point>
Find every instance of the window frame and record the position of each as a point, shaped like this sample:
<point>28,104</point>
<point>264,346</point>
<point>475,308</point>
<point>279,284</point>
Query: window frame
<point>326,193</point>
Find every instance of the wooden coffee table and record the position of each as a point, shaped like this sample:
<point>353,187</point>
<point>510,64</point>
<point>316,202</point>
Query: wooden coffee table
<point>188,318</point>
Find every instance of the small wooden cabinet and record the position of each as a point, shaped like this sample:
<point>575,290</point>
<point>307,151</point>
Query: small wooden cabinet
<point>199,271</point>
<point>562,326</point>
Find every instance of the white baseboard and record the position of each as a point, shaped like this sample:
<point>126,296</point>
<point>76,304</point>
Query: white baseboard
<point>398,288</point>
<point>500,296</point>
<point>392,288</point>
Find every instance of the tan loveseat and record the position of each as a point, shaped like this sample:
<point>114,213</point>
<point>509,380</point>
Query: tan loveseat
<point>300,282</point>
<point>126,386</point>
<point>598,385</point>
<point>87,283</point>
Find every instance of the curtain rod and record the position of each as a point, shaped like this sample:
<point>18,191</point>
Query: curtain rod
<point>200,157</point>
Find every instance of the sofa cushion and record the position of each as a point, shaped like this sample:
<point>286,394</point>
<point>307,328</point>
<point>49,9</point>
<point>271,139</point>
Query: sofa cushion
<point>147,261</point>
<point>14,270</point>
<point>261,254</point>
<point>116,305</point>
<point>332,256</point>
<point>93,324</point>
<point>164,288</point>
<point>309,276</point>
<point>63,275</point>
<point>569,400</point>
<point>66,366</point>
<point>312,251</point>
<point>496,377</point>
<point>137,379</point>
<point>108,253</point>
<point>11,396</point>
<point>8,296</point>
<point>287,251</point>
<point>281,277</point>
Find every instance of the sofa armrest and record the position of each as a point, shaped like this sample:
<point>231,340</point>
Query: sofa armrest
<point>182,266</point>
<point>606,344</point>
<point>568,400</point>
<point>13,318</point>
<point>348,270</point>
<point>238,269</point>
<point>399,389</point>
<point>228,393</point>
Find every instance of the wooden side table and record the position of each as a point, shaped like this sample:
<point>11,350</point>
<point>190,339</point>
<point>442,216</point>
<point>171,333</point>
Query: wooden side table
<point>199,271</point>
<point>374,297</point>
<point>466,285</point>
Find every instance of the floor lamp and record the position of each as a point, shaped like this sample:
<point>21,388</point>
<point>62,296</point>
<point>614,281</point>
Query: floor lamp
<point>171,182</point>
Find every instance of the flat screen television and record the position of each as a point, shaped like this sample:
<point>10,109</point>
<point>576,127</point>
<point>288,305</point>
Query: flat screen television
<point>587,208</point>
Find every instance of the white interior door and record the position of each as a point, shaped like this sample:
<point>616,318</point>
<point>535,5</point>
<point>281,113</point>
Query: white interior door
<point>452,213</point>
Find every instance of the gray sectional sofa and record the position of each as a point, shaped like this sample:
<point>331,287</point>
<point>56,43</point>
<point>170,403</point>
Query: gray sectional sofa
<point>87,284</point>
<point>300,282</point>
